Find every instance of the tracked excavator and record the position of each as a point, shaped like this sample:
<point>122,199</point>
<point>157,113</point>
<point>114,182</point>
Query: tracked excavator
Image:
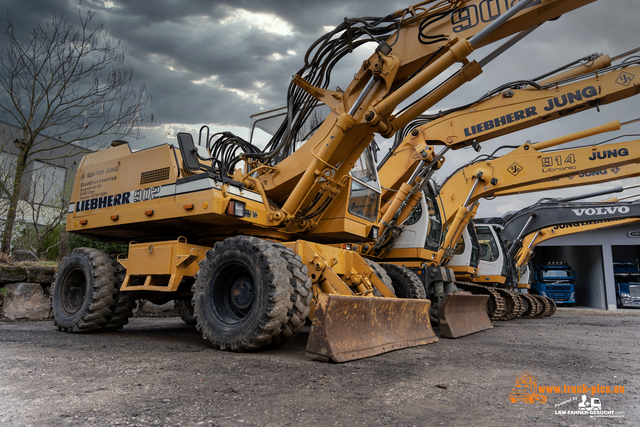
<point>463,256</point>
<point>422,243</point>
<point>242,231</point>
<point>467,249</point>
<point>552,218</point>
<point>528,242</point>
<point>495,250</point>
<point>496,270</point>
<point>526,253</point>
<point>483,247</point>
<point>481,254</point>
<point>523,267</point>
<point>405,173</point>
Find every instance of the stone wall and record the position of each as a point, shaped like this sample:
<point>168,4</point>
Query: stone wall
<point>26,291</point>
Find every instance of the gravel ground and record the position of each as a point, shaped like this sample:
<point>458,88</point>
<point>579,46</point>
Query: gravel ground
<point>157,371</point>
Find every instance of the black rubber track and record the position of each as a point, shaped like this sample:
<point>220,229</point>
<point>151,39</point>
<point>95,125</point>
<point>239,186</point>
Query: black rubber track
<point>82,292</point>
<point>496,307</point>
<point>242,294</point>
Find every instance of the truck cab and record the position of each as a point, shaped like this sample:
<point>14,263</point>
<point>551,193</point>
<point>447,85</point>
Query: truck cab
<point>556,281</point>
<point>627,277</point>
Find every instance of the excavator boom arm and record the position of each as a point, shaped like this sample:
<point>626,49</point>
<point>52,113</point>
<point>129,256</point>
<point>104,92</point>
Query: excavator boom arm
<point>530,241</point>
<point>508,111</point>
<point>426,43</point>
<point>521,168</point>
<point>543,215</point>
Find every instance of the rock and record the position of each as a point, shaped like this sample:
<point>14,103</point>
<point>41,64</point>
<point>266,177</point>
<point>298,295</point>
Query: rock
<point>27,302</point>
<point>149,307</point>
<point>24,255</point>
<point>11,274</point>
<point>40,274</point>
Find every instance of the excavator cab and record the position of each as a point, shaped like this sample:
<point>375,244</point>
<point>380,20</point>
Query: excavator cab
<point>466,254</point>
<point>493,264</point>
<point>424,226</point>
<point>458,314</point>
<point>352,213</point>
<point>364,191</point>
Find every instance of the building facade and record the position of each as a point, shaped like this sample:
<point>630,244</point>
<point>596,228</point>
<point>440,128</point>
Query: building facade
<point>46,185</point>
<point>591,254</point>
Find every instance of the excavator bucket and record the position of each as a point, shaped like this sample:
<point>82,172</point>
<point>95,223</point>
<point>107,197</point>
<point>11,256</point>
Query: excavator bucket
<point>462,314</point>
<point>348,328</point>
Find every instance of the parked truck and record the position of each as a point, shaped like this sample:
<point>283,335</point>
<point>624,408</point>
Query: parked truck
<point>555,280</point>
<point>627,278</point>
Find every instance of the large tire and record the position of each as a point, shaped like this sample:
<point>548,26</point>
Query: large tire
<point>83,289</point>
<point>406,283</point>
<point>187,314</point>
<point>124,302</point>
<point>242,294</point>
<point>300,297</point>
<point>381,273</point>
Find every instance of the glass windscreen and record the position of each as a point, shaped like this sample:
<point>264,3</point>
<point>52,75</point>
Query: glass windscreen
<point>475,247</point>
<point>564,274</point>
<point>434,232</point>
<point>488,245</point>
<point>364,196</point>
<point>459,248</point>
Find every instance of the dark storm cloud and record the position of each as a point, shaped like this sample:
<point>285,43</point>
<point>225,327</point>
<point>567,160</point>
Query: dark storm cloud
<point>200,70</point>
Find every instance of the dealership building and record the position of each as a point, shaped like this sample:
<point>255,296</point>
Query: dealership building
<point>591,254</point>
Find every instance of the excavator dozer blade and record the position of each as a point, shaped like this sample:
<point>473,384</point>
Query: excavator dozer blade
<point>463,314</point>
<point>348,328</point>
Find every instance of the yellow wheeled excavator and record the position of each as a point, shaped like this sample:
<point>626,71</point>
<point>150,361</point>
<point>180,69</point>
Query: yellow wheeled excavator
<point>242,232</point>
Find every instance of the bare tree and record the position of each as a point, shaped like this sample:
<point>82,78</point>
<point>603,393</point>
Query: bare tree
<point>64,87</point>
<point>7,165</point>
<point>42,208</point>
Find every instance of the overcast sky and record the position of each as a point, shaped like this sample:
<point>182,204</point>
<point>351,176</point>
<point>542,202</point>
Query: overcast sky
<point>218,62</point>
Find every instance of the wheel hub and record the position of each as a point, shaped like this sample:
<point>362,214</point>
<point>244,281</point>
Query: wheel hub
<point>242,293</point>
<point>73,292</point>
